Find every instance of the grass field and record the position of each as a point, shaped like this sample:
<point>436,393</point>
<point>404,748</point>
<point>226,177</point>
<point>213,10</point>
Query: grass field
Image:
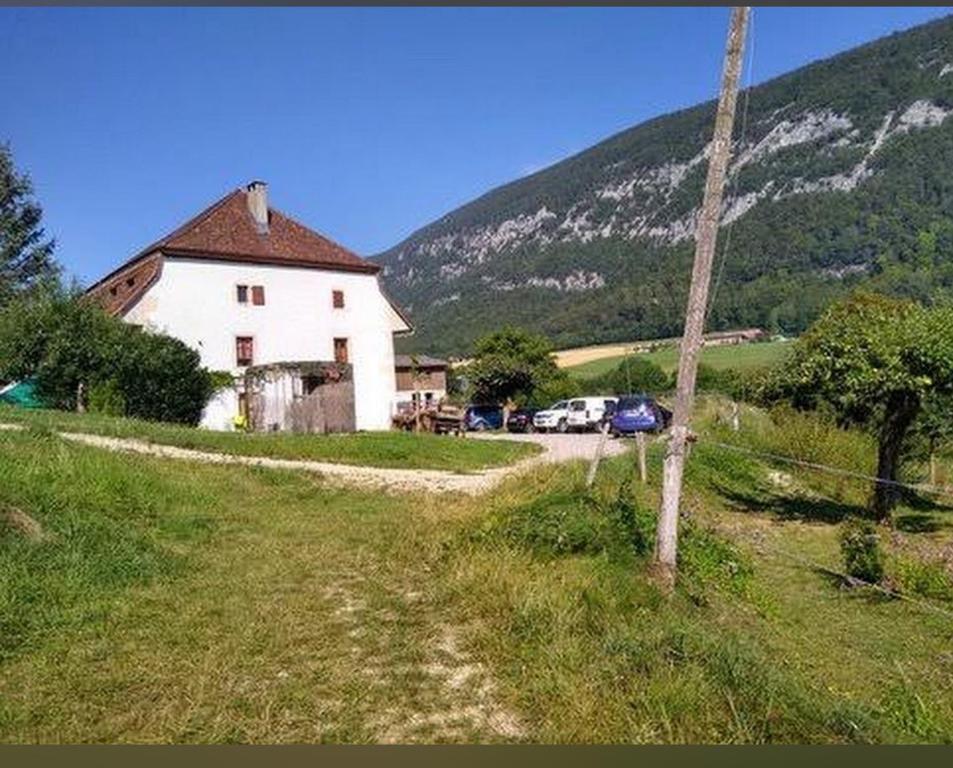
<point>739,357</point>
<point>378,449</point>
<point>169,602</point>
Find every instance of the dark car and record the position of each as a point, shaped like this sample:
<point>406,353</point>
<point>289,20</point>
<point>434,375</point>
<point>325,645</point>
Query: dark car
<point>521,420</point>
<point>638,413</point>
<point>482,417</point>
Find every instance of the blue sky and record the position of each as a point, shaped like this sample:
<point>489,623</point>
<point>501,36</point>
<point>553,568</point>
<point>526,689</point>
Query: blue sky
<point>367,123</point>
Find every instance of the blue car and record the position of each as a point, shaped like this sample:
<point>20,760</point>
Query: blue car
<point>638,413</point>
<point>483,417</point>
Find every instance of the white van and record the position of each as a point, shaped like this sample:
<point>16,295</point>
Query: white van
<point>585,413</point>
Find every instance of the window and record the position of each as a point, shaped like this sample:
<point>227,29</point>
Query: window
<point>337,299</point>
<point>258,295</point>
<point>241,294</point>
<point>130,281</point>
<point>244,350</point>
<point>340,350</point>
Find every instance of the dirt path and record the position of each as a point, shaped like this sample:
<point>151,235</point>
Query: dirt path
<point>556,448</point>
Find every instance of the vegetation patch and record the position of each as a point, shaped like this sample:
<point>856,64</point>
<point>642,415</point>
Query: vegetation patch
<point>375,449</point>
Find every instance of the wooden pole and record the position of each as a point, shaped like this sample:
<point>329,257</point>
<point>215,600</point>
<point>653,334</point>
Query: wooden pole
<point>640,444</point>
<point>666,542</point>
<point>600,447</point>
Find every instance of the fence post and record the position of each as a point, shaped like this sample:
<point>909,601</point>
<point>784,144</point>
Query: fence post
<point>640,444</point>
<point>594,465</point>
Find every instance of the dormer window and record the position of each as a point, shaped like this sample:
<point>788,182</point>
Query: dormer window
<point>241,294</point>
<point>337,299</point>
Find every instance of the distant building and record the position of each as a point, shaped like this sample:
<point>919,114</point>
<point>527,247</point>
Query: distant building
<point>743,336</point>
<point>246,286</point>
<point>425,382</point>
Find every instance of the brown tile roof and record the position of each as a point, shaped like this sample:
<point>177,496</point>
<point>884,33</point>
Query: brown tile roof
<point>227,231</point>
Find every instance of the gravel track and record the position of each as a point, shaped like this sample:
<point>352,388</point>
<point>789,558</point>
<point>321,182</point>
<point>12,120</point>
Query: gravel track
<point>556,448</point>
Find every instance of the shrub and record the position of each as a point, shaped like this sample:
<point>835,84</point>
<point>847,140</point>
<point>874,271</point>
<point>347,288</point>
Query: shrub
<point>106,397</point>
<point>930,580</point>
<point>557,524</point>
<point>635,374</point>
<point>64,341</point>
<point>860,548</point>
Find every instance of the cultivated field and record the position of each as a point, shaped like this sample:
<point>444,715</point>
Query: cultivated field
<point>147,600</point>
<point>739,357</point>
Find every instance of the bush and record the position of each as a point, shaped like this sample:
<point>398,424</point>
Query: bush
<point>63,341</point>
<point>930,580</point>
<point>860,548</point>
<point>555,524</point>
<point>635,374</point>
<point>106,397</point>
<point>572,522</point>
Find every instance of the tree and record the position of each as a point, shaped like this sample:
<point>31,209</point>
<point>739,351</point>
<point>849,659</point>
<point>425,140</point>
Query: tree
<point>70,347</point>
<point>512,365</point>
<point>873,360</point>
<point>934,427</point>
<point>26,256</point>
<point>633,374</point>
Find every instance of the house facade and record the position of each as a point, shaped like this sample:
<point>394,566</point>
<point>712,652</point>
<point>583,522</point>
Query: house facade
<point>247,286</point>
<point>420,379</point>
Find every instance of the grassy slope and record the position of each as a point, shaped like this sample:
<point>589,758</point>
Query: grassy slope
<point>741,357</point>
<point>378,449</point>
<point>176,602</point>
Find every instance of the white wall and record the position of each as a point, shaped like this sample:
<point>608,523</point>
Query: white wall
<point>195,301</point>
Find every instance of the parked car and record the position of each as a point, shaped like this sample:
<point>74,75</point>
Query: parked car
<point>586,413</point>
<point>521,420</point>
<point>638,413</point>
<point>479,418</point>
<point>554,418</point>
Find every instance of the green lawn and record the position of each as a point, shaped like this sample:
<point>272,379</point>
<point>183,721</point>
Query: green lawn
<point>404,450</point>
<point>739,357</point>
<point>173,602</point>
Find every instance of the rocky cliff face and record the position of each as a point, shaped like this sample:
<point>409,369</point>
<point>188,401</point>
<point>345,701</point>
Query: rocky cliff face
<point>843,157</point>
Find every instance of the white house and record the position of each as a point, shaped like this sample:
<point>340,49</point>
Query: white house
<point>245,285</point>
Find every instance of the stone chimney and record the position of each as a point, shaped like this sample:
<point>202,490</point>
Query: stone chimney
<point>257,198</point>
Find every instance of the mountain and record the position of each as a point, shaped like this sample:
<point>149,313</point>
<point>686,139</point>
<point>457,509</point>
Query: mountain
<point>842,175</point>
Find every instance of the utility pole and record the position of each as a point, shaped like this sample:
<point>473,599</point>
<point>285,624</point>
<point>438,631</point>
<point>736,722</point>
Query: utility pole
<point>666,541</point>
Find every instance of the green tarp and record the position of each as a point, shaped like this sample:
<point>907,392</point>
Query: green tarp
<point>21,393</point>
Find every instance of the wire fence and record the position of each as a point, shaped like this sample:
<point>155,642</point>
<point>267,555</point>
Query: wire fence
<point>837,471</point>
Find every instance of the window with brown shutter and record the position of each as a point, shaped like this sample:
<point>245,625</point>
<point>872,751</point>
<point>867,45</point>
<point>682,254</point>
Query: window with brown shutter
<point>337,299</point>
<point>244,350</point>
<point>258,295</point>
<point>340,350</point>
<point>241,294</point>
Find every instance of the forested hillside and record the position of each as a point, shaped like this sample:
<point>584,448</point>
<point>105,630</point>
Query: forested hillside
<point>842,175</point>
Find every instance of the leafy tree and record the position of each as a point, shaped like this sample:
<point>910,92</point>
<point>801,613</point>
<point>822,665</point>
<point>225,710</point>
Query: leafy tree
<point>511,365</point>
<point>77,354</point>
<point>633,374</point>
<point>934,428</point>
<point>26,256</point>
<point>873,360</point>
